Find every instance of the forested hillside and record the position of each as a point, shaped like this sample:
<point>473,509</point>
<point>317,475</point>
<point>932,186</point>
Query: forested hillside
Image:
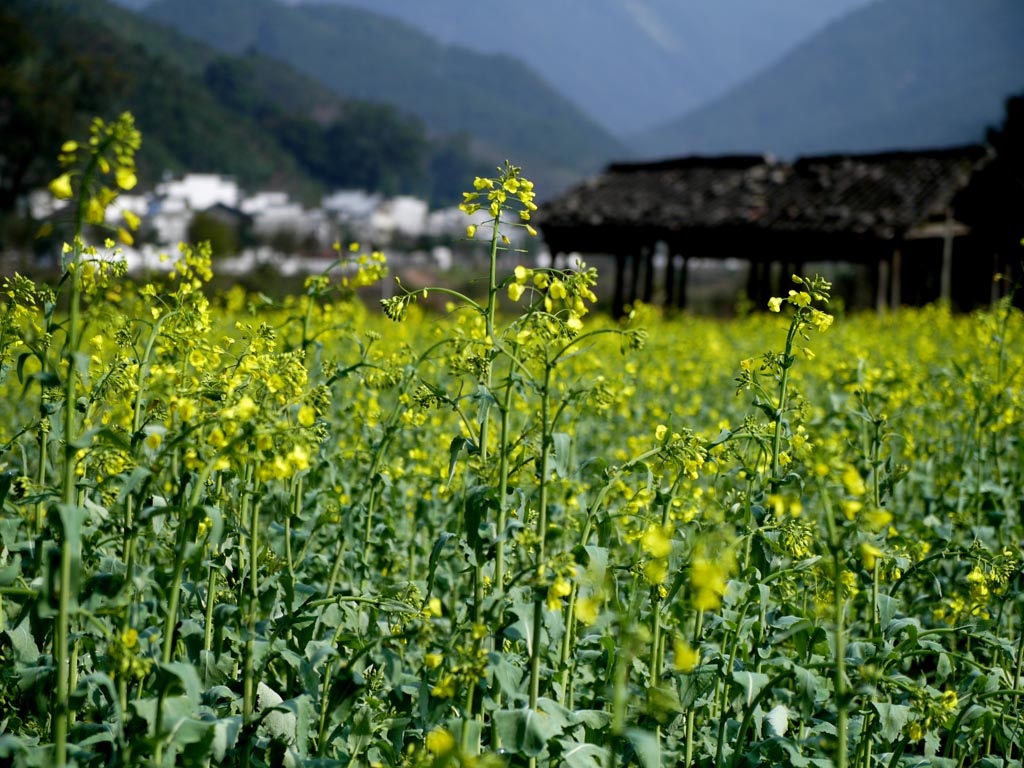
<point>63,61</point>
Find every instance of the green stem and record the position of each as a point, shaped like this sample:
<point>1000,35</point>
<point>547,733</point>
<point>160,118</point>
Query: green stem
<point>296,512</point>
<point>211,594</point>
<point>249,683</point>
<point>698,626</point>
<point>187,527</point>
<point>787,363</point>
<point>61,652</point>
<point>542,531</point>
<point>839,653</point>
<point>41,479</point>
<point>620,694</point>
<point>503,469</point>
<point>567,642</point>
<point>876,619</point>
<point>748,715</point>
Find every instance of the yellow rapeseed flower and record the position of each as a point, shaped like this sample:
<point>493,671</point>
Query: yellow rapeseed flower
<point>869,554</point>
<point>686,658</point>
<point>516,291</point>
<point>433,660</point>
<point>440,741</point>
<point>60,187</point>
<point>656,542</point>
<point>708,582</point>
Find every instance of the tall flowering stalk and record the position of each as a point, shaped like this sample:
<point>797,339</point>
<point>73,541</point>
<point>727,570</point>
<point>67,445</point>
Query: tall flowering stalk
<point>109,152</point>
<point>507,362</point>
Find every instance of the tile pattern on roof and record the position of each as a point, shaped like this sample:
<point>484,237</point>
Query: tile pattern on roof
<point>881,195</point>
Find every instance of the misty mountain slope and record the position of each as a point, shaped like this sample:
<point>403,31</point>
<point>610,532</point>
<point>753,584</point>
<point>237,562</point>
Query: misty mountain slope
<point>896,74</point>
<point>200,109</point>
<point>629,63</point>
<point>367,56</point>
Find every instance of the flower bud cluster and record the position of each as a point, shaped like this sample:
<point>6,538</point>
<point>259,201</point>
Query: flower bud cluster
<point>110,152</point>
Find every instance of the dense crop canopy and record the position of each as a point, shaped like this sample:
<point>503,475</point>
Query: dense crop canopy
<point>244,532</point>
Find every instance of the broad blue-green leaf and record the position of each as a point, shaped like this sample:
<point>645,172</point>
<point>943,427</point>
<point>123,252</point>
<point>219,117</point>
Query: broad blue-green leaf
<point>435,556</point>
<point>225,735</point>
<point>646,746</point>
<point>454,449</point>
<point>891,718</point>
<point>24,645</point>
<point>593,718</point>
<point>562,443</point>
<point>185,675</point>
<point>577,755</point>
<point>525,731</point>
<point>6,478</point>
<point>750,683</point>
<point>887,608</point>
<point>508,676</point>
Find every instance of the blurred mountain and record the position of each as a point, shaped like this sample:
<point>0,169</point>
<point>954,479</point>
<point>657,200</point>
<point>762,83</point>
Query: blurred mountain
<point>894,74</point>
<point>63,61</point>
<point>506,108</point>
<point>630,64</point>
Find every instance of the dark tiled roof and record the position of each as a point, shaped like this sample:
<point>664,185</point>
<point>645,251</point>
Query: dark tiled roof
<point>879,195</point>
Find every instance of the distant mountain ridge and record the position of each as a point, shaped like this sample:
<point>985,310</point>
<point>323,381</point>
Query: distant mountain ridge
<point>894,74</point>
<point>200,110</point>
<point>507,109</point>
<point>630,64</point>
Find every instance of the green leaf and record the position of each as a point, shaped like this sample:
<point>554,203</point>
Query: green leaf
<point>479,500</point>
<point>9,574</point>
<point>6,478</point>
<point>522,629</point>
<point>810,686</point>
<point>225,735</point>
<point>456,447</point>
<point>646,746</point>
<point>562,443</point>
<point>595,560</point>
<point>595,719</point>
<point>750,683</point>
<point>525,731</point>
<point>887,607</point>
<point>23,644</point>
<point>508,676</point>
<point>435,555</point>
<point>71,517</point>
<point>891,718</point>
<point>184,675</point>
<point>577,755</point>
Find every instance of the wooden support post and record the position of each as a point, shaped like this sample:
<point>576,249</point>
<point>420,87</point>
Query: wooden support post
<point>752,286</point>
<point>882,286</point>
<point>895,280</point>
<point>634,276</point>
<point>996,287</point>
<point>683,274</point>
<point>946,276</point>
<point>670,278</point>
<point>618,297</point>
<point>647,256</point>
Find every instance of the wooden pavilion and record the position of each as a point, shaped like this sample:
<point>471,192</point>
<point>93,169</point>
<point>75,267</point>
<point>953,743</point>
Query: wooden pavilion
<point>893,212</point>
